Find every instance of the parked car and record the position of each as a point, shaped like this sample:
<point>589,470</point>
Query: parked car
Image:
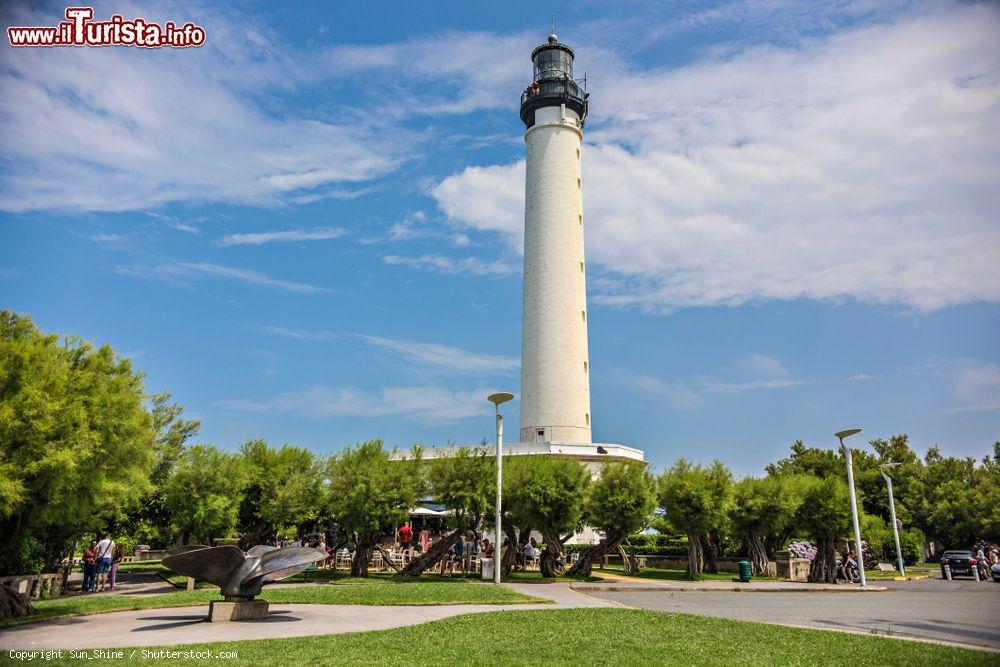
<point>995,572</point>
<point>960,562</point>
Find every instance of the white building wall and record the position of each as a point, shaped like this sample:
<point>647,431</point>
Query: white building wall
<point>555,365</point>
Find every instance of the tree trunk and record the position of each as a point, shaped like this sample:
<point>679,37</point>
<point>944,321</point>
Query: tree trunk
<point>630,564</point>
<point>585,565</point>
<point>550,564</point>
<point>756,553</point>
<point>13,603</point>
<point>708,547</point>
<point>387,557</point>
<point>695,564</point>
<point>362,556</point>
<point>824,567</point>
<point>428,559</point>
<point>509,555</point>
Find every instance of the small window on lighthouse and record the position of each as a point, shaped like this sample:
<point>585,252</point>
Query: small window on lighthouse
<point>579,183</point>
<point>577,153</point>
<point>581,218</point>
<point>581,267</point>
<point>584,313</point>
<point>588,419</point>
<point>585,367</point>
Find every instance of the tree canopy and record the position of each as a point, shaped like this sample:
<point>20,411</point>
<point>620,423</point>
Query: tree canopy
<point>76,441</point>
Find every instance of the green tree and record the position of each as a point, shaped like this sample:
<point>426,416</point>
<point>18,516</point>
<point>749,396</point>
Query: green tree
<point>75,442</point>
<point>203,493</point>
<point>286,490</point>
<point>369,494</point>
<point>762,510</point>
<point>148,520</point>
<point>695,500</point>
<point>809,461</point>
<point>546,494</point>
<point>825,515</point>
<point>621,502</point>
<point>465,483</point>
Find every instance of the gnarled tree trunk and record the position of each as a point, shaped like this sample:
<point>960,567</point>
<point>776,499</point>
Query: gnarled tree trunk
<point>824,567</point>
<point>695,556</point>
<point>708,547</point>
<point>552,564</point>
<point>362,556</point>
<point>585,565</point>
<point>756,553</point>
<point>13,603</point>
<point>432,556</point>
<point>509,555</point>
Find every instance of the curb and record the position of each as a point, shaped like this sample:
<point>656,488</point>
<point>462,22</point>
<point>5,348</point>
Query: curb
<point>733,589</point>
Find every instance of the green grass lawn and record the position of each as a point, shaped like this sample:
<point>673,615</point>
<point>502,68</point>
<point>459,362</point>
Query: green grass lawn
<point>379,592</point>
<point>675,575</point>
<point>584,636</point>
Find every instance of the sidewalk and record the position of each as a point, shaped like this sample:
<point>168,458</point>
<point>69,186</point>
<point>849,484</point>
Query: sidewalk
<point>187,625</point>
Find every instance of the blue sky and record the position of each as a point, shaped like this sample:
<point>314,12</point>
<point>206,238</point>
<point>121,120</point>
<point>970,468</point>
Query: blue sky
<point>309,229</point>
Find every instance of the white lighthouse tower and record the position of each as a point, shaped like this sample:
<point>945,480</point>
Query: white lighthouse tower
<point>555,368</point>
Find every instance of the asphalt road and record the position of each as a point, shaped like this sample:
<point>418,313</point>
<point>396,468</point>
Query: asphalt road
<point>963,611</point>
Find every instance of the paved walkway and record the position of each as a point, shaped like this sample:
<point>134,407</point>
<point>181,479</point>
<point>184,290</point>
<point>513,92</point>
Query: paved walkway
<point>960,612</point>
<point>186,625</point>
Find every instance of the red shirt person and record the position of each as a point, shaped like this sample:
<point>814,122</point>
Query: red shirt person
<point>405,534</point>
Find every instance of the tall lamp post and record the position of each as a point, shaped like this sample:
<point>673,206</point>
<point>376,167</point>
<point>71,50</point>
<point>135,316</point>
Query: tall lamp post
<point>854,500</point>
<point>892,513</point>
<point>496,400</point>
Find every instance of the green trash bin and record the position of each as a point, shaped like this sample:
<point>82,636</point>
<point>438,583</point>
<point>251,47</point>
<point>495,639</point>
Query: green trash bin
<point>744,570</point>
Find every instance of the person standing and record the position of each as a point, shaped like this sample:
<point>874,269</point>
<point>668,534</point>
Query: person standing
<point>105,551</point>
<point>405,535</point>
<point>89,567</point>
<point>116,558</point>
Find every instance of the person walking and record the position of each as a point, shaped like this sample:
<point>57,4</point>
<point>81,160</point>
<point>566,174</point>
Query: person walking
<point>89,567</point>
<point>105,551</point>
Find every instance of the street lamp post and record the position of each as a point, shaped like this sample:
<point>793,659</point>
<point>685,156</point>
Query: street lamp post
<point>892,513</point>
<point>496,400</point>
<point>854,500</point>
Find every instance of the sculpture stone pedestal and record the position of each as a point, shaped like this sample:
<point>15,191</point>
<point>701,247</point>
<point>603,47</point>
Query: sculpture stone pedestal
<point>221,611</point>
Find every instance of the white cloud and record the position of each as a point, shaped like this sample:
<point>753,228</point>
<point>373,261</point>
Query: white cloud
<point>740,387</point>
<point>259,238</point>
<point>113,129</point>
<point>108,238</point>
<point>976,388</point>
<point>446,358</point>
<point>678,395</point>
<point>426,404</point>
<point>451,265</point>
<point>182,273</point>
<point>764,365</point>
<point>860,165</point>
<point>300,334</point>
<point>858,377</point>
<point>187,229</point>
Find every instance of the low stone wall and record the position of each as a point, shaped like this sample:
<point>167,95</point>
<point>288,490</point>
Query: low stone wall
<point>37,586</point>
<point>151,554</point>
<point>792,569</point>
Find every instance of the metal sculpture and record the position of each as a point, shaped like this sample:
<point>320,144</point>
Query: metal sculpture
<point>240,576</point>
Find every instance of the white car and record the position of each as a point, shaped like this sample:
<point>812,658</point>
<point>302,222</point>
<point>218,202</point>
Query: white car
<point>995,572</point>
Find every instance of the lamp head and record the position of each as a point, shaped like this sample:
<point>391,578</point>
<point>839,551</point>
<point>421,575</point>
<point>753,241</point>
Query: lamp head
<point>847,433</point>
<point>499,397</point>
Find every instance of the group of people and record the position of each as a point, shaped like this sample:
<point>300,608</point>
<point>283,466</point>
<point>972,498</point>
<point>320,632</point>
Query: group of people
<point>100,564</point>
<point>986,558</point>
